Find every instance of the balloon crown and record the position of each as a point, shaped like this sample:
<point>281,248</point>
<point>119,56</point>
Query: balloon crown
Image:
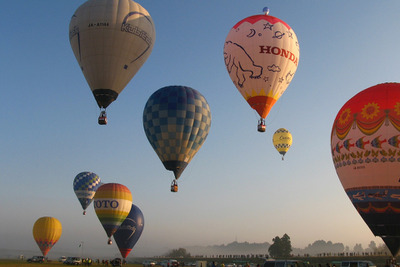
<point>266,10</point>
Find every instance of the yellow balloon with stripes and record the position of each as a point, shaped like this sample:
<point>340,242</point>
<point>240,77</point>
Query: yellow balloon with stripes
<point>282,140</point>
<point>112,204</point>
<point>46,232</point>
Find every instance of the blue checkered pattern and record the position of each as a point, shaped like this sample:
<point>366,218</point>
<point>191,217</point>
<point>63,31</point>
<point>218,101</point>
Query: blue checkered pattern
<point>176,120</point>
<point>86,182</point>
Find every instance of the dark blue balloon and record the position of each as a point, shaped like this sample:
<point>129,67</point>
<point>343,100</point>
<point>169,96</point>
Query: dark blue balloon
<point>130,231</point>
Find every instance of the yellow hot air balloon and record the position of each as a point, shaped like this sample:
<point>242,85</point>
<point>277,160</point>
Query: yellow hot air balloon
<point>282,140</point>
<point>46,232</point>
<point>261,54</point>
<point>111,40</point>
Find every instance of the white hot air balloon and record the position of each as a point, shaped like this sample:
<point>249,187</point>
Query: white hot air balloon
<point>261,54</point>
<point>111,40</point>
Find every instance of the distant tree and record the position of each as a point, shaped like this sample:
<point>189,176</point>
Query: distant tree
<point>320,246</point>
<point>358,248</point>
<point>383,249</point>
<point>274,250</point>
<point>178,253</point>
<point>372,246</point>
<point>281,247</point>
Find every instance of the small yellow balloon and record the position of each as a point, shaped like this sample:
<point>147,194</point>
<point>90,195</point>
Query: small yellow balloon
<point>46,232</point>
<point>282,140</point>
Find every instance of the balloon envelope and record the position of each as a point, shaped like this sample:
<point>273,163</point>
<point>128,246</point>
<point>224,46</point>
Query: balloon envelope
<point>112,203</point>
<point>176,120</point>
<point>261,54</point>
<point>130,231</point>
<point>111,40</point>
<point>365,150</point>
<point>282,140</point>
<point>46,232</point>
<point>85,186</point>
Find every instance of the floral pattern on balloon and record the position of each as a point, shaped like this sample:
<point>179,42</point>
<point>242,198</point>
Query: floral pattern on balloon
<point>365,141</point>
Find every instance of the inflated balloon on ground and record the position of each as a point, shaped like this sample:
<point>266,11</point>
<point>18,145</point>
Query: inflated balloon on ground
<point>46,232</point>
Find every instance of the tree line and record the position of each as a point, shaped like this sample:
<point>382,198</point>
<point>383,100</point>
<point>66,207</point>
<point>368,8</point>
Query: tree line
<point>281,247</point>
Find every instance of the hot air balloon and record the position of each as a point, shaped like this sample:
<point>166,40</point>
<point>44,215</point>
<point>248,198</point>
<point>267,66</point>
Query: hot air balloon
<point>111,40</point>
<point>85,186</point>
<point>112,203</point>
<point>176,120</point>
<point>46,232</point>
<point>261,54</point>
<point>130,231</point>
<point>282,140</point>
<point>366,154</point>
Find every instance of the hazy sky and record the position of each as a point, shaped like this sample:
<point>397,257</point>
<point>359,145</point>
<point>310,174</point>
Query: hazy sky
<point>237,187</point>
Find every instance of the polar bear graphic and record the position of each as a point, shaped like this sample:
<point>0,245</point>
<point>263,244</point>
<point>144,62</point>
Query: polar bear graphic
<point>236,55</point>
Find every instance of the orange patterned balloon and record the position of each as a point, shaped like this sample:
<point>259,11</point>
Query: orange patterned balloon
<point>365,146</point>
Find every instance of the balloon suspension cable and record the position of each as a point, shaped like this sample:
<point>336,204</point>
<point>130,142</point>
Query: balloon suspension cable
<point>109,242</point>
<point>266,10</point>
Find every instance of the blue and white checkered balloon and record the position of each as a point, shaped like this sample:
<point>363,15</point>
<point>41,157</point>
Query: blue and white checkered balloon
<point>176,120</point>
<point>85,186</point>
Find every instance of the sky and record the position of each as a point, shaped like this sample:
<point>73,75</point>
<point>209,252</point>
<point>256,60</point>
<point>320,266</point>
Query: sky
<point>236,188</point>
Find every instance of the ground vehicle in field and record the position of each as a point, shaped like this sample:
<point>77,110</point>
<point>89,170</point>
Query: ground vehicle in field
<point>36,259</point>
<point>116,262</point>
<point>148,263</point>
<point>285,263</point>
<point>169,263</point>
<point>73,261</point>
<point>356,264</point>
<point>62,259</point>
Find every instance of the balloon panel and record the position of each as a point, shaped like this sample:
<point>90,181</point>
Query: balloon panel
<point>111,41</point>
<point>46,232</point>
<point>366,154</point>
<point>393,243</point>
<point>261,55</point>
<point>85,186</point>
<point>130,231</point>
<point>112,203</point>
<point>176,120</point>
<point>282,140</point>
